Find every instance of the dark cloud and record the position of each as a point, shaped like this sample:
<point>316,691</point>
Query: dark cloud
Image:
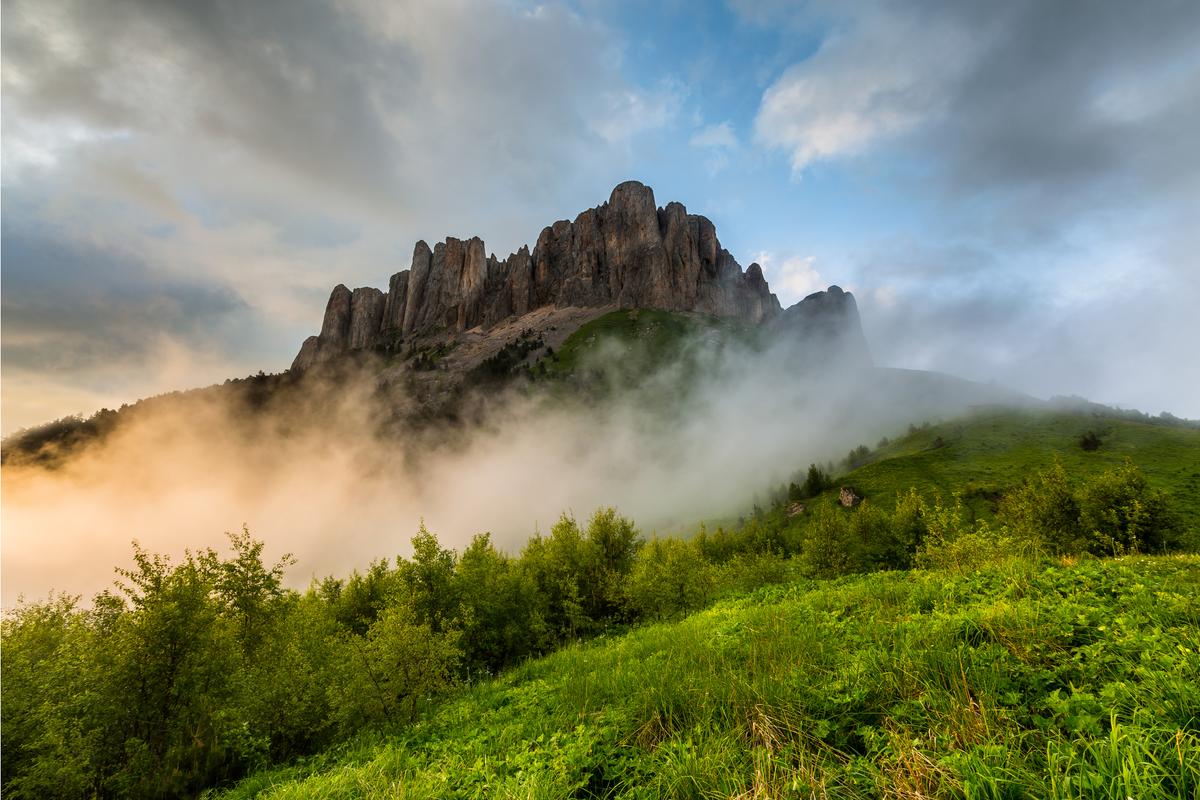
<point>1050,149</point>
<point>75,305</point>
<point>401,112</point>
<point>1031,107</point>
<point>1077,107</point>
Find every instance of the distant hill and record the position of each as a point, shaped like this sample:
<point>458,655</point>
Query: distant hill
<point>989,450</point>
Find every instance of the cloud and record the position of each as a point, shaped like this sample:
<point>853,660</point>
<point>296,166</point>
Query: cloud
<point>1121,334</point>
<point>792,279</point>
<point>269,150</point>
<point>1040,174</point>
<point>719,137</point>
<point>1022,95</point>
<point>886,75</point>
<point>68,303</point>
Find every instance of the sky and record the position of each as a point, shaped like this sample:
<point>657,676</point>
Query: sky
<point>1011,190</point>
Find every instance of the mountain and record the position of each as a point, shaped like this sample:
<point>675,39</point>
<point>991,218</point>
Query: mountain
<point>626,253</point>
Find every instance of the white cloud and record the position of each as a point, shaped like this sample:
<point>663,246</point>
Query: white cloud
<point>883,77</point>
<point>718,142</point>
<point>793,279</point>
<point>719,137</point>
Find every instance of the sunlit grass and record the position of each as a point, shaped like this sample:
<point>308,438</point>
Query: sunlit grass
<point>1025,679</point>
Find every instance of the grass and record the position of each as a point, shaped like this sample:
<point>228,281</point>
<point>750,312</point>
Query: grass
<point>643,339</point>
<point>1029,678</point>
<point>990,451</point>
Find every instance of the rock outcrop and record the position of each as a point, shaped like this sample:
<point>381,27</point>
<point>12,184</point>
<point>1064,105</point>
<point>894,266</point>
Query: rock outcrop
<point>626,253</point>
<point>828,323</point>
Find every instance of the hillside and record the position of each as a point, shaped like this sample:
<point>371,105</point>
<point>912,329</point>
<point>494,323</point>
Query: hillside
<point>1026,678</point>
<point>992,450</point>
<point>988,653</point>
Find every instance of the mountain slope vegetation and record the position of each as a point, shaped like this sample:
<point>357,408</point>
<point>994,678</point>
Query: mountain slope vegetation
<point>991,653</point>
<point>1026,678</point>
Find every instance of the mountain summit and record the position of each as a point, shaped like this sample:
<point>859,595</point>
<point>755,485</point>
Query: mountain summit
<point>626,253</point>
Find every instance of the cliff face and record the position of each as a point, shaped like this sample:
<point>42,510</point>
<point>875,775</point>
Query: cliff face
<point>827,322</point>
<point>626,253</point>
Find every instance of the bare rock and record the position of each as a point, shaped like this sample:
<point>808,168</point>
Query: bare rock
<point>308,353</point>
<point>418,277</point>
<point>827,323</point>
<point>625,253</point>
<point>366,312</point>
<point>849,497</point>
<point>394,304</point>
<point>335,327</point>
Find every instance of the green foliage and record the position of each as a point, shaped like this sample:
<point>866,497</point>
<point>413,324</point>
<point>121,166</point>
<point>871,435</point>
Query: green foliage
<point>192,675</point>
<point>1045,509</point>
<point>669,578</point>
<point>815,482</point>
<point>1021,679</point>
<point>857,457</point>
<point>386,673</point>
<point>1119,513</point>
<point>955,543</point>
<point>1109,513</point>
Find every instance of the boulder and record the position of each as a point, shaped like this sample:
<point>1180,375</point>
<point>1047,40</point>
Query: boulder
<point>849,497</point>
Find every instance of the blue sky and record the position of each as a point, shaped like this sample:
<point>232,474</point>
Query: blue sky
<point>1011,190</point>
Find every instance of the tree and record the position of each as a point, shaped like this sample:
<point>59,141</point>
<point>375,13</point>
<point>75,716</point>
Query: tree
<point>613,544</point>
<point>387,672</point>
<point>245,587</point>
<point>499,623</point>
<point>669,577</point>
<point>815,482</point>
<point>429,578</point>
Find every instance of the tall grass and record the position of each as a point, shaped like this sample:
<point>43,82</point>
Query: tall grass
<point>1025,679</point>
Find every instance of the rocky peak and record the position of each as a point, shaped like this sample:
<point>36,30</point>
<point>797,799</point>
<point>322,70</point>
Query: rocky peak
<point>826,320</point>
<point>626,253</point>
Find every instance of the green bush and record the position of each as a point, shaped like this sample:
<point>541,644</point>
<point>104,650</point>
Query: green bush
<point>1044,510</point>
<point>1119,513</point>
<point>1112,513</point>
<point>955,543</point>
<point>670,577</point>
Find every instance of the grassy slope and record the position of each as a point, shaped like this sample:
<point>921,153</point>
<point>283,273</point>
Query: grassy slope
<point>996,450</point>
<point>660,333</point>
<point>987,451</point>
<point>1024,679</point>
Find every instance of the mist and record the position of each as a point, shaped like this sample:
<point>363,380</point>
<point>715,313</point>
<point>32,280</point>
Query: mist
<point>696,440</point>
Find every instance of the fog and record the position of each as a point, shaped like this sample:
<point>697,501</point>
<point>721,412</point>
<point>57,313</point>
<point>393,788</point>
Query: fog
<point>697,440</point>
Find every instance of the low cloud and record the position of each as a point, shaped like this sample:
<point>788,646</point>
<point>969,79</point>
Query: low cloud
<point>313,478</point>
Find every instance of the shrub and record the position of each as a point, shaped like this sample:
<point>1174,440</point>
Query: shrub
<point>400,661</point>
<point>955,543</point>
<point>1113,513</point>
<point>829,549</point>
<point>1044,511</point>
<point>669,577</point>
<point>1119,513</point>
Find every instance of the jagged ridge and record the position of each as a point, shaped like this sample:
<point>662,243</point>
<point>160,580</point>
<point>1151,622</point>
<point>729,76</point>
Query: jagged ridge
<point>625,253</point>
